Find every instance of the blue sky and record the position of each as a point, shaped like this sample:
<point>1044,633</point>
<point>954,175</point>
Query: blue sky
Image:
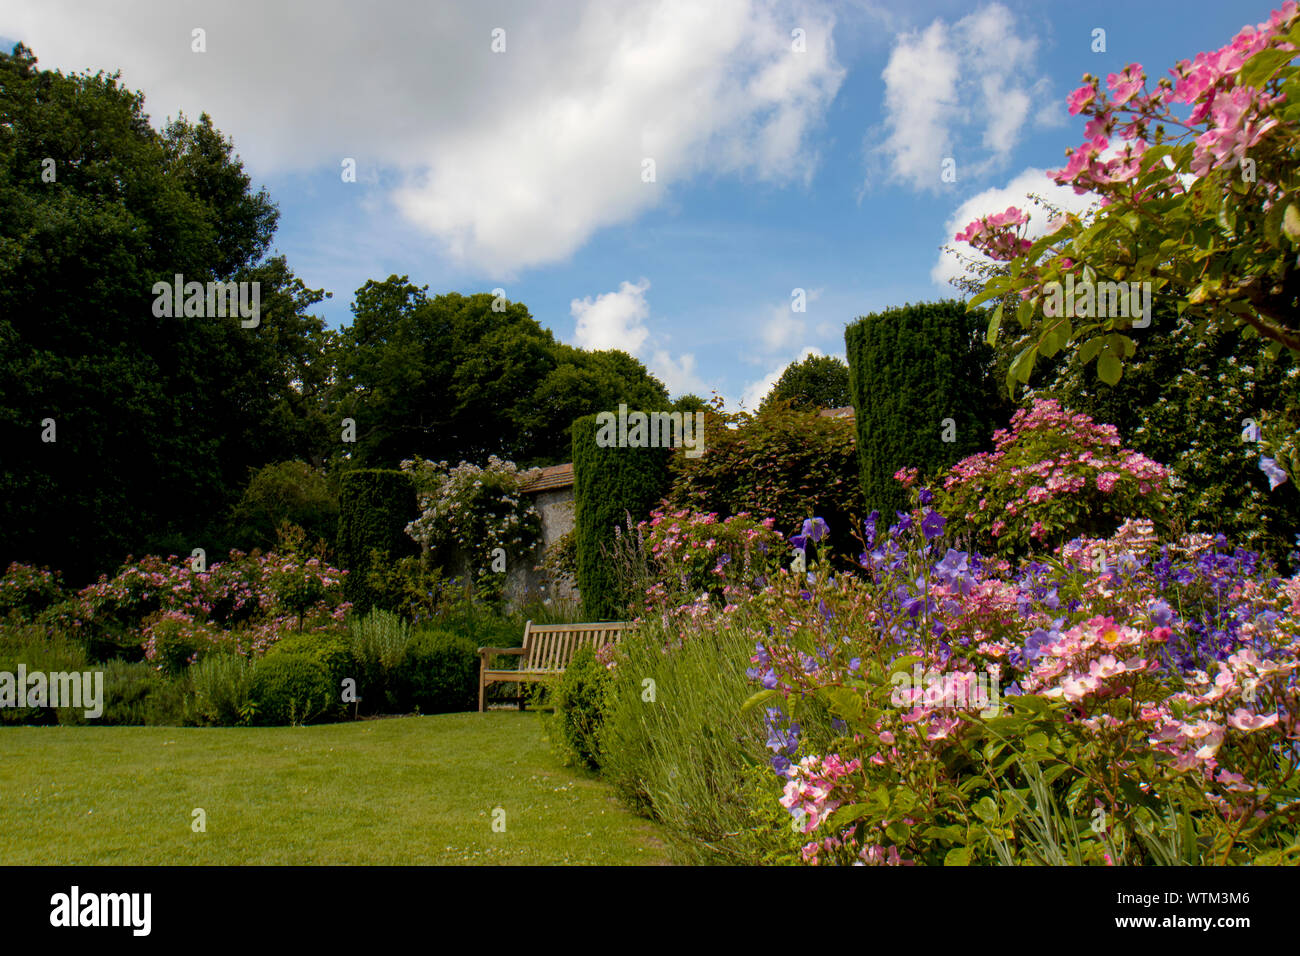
<point>523,168</point>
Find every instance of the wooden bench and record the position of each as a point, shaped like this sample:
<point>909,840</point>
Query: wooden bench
<point>546,652</point>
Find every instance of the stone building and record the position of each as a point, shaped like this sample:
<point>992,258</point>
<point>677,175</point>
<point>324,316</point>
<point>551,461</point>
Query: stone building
<point>551,490</point>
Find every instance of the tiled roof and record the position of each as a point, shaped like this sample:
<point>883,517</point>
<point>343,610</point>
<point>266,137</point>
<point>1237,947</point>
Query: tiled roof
<point>844,412</point>
<point>549,478</point>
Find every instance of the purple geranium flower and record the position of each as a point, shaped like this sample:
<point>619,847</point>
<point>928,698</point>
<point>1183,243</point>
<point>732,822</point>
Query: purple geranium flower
<point>1162,615</point>
<point>932,525</point>
<point>1275,474</point>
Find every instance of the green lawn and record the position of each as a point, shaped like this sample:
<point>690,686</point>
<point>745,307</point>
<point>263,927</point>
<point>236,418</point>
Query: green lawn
<point>414,790</point>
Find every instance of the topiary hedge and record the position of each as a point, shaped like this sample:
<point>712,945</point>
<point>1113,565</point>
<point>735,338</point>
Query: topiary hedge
<point>375,506</point>
<point>910,370</point>
<point>608,485</point>
<point>291,688</point>
<point>332,650</point>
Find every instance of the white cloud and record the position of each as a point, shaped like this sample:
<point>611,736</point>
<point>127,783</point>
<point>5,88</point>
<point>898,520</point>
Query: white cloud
<point>783,326</point>
<point>940,82</point>
<point>678,374</point>
<point>1015,193</point>
<point>617,320</point>
<point>508,160</point>
<point>756,391</point>
<point>613,320</point>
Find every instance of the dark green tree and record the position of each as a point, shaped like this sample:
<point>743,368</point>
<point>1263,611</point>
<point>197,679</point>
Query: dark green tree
<point>819,381</point>
<point>450,379</point>
<point>156,420</point>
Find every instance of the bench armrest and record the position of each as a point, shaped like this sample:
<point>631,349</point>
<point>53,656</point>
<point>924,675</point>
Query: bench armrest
<point>485,651</point>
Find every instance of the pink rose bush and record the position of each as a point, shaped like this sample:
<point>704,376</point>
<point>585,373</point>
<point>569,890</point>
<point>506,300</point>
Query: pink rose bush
<point>1195,189</point>
<point>698,560</point>
<point>176,614</point>
<point>1050,476</point>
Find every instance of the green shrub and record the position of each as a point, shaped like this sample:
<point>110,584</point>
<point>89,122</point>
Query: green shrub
<point>31,647</point>
<point>581,700</point>
<point>285,491</point>
<point>174,641</point>
<point>332,649</point>
<point>223,689</point>
<point>378,642</point>
<point>910,369</point>
<point>375,506</point>
<point>780,464</point>
<point>136,694</point>
<point>608,485</point>
<point>291,688</point>
<point>1054,476</point>
<point>438,674</point>
<point>681,751</point>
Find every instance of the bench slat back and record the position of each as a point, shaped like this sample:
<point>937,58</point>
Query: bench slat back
<point>550,647</point>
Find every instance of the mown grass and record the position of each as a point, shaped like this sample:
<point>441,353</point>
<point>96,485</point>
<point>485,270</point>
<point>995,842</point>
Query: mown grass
<point>413,790</point>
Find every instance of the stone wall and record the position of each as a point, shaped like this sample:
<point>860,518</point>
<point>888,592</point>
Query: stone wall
<point>555,506</point>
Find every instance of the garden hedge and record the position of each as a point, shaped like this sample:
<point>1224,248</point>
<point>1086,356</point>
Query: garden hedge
<point>375,506</point>
<point>911,368</point>
<point>608,485</point>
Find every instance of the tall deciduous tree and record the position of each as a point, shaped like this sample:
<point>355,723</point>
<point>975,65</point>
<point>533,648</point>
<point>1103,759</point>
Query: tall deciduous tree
<point>819,381</point>
<point>154,420</point>
<point>458,377</point>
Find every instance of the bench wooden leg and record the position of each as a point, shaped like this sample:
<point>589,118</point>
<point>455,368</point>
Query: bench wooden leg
<point>482,685</point>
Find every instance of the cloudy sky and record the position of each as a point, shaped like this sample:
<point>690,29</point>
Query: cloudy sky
<point>657,176</point>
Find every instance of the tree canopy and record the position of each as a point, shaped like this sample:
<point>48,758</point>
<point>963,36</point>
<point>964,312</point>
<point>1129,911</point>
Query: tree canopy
<point>122,430</point>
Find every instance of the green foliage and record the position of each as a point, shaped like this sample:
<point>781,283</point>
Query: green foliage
<point>37,651</point>
<point>378,641</point>
<point>26,591</point>
<point>458,378</point>
<point>781,464</point>
<point>291,688</point>
<point>437,674</point>
<point>137,694</point>
<point>331,649</point>
<point>819,381</point>
<point>174,641</point>
<point>581,700</point>
<point>287,491</point>
<point>690,758</point>
<point>223,689</point>
<point>375,506</point>
<point>468,513</point>
<point>158,418</point>
<point>560,562</point>
<point>1184,400</point>
<point>609,484</point>
<point>910,369</point>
